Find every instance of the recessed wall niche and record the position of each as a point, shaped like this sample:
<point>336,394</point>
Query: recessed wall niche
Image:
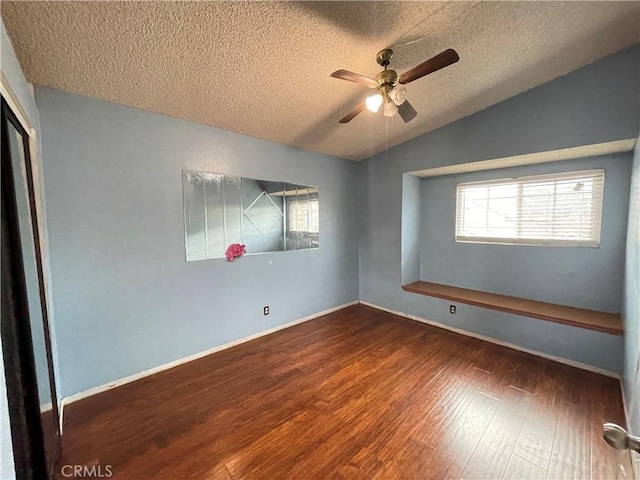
<point>266,216</point>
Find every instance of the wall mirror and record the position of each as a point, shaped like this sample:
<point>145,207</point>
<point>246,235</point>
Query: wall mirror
<point>266,216</point>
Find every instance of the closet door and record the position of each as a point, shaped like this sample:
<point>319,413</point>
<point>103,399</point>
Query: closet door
<point>26,343</point>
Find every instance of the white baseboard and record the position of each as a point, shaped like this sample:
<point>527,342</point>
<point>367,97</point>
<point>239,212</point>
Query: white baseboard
<point>566,361</point>
<point>46,407</point>
<point>137,376</point>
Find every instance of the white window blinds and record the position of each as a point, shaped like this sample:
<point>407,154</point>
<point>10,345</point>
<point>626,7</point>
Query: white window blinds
<point>303,215</point>
<point>563,209</point>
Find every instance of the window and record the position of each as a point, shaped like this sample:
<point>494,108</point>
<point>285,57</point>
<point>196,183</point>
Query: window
<point>562,209</point>
<point>303,219</point>
<point>303,215</point>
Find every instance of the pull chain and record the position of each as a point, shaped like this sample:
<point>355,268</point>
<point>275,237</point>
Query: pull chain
<point>386,139</point>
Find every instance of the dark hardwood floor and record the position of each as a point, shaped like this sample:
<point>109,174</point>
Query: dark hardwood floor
<point>356,394</point>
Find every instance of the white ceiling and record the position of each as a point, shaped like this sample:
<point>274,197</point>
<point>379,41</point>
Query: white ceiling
<point>262,68</point>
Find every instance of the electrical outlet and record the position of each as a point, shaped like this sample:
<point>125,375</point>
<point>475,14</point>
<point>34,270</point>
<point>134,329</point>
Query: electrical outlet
<point>266,310</point>
<point>452,309</point>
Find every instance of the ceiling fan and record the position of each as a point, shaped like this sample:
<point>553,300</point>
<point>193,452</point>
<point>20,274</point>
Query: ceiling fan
<point>387,82</point>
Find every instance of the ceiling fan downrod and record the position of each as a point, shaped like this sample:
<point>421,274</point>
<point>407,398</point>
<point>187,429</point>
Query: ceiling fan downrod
<point>387,79</point>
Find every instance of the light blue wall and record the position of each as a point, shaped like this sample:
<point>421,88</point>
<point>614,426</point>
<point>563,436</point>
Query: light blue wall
<point>597,103</point>
<point>125,298</point>
<point>411,222</point>
<point>578,344</point>
<point>631,305</point>
<point>563,275</point>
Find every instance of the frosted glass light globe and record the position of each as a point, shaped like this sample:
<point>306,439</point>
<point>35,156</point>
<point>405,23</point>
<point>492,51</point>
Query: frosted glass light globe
<point>390,109</point>
<point>374,102</point>
<point>398,95</point>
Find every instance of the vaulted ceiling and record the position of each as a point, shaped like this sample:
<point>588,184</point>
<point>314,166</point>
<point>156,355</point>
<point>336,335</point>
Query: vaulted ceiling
<point>262,68</point>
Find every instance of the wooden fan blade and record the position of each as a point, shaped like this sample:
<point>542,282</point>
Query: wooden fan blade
<point>351,115</point>
<point>355,78</point>
<point>407,112</point>
<point>434,64</point>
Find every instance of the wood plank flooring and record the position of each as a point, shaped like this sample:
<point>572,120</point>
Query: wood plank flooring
<point>357,394</point>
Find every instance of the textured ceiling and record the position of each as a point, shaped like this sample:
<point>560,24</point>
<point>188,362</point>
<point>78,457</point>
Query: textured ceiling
<point>262,68</point>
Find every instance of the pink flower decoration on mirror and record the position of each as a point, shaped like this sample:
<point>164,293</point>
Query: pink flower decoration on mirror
<point>235,251</point>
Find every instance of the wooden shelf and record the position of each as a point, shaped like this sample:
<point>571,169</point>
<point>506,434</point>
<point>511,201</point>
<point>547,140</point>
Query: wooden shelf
<point>577,317</point>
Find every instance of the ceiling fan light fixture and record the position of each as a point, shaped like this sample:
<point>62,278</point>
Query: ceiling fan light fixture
<point>374,102</point>
<point>390,109</point>
<point>398,95</point>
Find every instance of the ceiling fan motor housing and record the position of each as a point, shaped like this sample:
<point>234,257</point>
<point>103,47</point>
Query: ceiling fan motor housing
<point>386,79</point>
